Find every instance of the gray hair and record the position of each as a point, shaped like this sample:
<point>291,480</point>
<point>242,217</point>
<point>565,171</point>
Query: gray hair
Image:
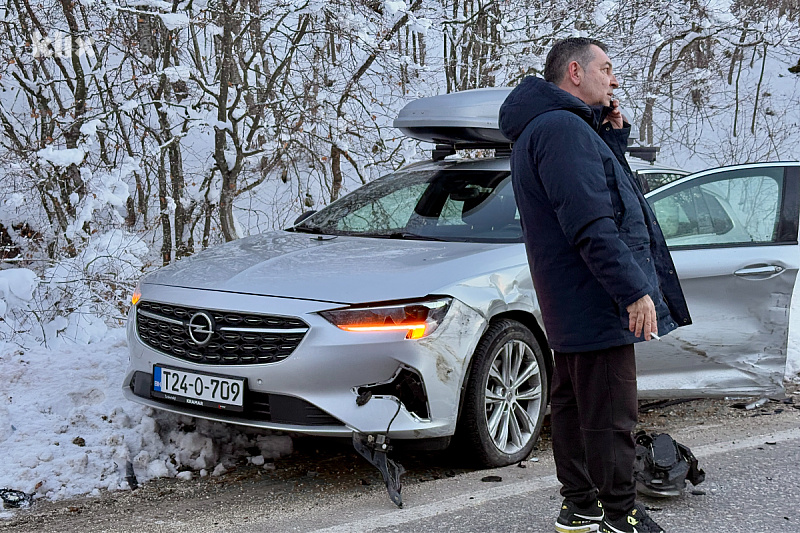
<point>566,51</point>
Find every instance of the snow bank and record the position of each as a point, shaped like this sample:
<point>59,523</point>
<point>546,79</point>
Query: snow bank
<point>16,288</point>
<point>66,429</point>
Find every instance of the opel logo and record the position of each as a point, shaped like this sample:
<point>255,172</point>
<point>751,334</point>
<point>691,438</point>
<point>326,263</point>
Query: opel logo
<point>201,328</point>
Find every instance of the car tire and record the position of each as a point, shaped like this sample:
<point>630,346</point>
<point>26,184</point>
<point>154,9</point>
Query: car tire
<point>505,398</point>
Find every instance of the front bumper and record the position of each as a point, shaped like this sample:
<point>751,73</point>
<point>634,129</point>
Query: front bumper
<point>314,390</point>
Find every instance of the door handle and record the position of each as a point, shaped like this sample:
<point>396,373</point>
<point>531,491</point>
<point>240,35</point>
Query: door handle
<point>759,271</point>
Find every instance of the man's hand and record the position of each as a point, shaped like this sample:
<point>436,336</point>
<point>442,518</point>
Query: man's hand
<point>643,317</point>
<point>615,116</point>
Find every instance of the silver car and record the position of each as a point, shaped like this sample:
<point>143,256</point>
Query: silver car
<point>406,308</point>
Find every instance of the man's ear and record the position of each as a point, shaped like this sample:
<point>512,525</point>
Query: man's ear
<point>574,73</point>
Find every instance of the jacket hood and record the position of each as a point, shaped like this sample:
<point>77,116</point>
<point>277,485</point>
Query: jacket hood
<point>535,96</point>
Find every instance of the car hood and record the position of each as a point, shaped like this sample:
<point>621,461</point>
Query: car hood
<point>336,269</point>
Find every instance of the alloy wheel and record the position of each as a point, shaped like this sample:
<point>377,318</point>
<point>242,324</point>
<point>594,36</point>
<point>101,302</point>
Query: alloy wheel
<point>513,396</point>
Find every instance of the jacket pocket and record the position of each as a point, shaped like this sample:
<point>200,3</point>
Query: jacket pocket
<point>643,258</point>
<point>613,191</point>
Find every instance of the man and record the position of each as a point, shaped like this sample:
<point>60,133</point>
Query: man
<point>602,272</point>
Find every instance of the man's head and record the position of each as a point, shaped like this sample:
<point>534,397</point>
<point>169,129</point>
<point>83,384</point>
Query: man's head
<point>581,67</point>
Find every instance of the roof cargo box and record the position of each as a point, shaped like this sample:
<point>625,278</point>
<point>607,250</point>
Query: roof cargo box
<point>466,117</point>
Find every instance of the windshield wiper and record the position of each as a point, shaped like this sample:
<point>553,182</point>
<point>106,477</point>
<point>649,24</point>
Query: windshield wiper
<point>307,229</point>
<point>398,235</point>
<point>413,236</point>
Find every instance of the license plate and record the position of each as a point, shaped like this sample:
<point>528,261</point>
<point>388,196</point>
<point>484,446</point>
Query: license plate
<point>197,388</point>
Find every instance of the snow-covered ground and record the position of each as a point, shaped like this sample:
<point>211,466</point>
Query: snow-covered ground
<point>66,430</point>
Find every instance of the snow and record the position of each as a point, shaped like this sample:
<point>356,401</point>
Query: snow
<point>62,158</point>
<point>174,21</point>
<point>179,72</point>
<point>66,429</point>
<point>17,284</point>
<point>395,7</point>
<point>603,12</point>
<point>90,128</point>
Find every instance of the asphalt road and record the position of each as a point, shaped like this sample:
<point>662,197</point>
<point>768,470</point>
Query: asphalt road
<point>751,486</point>
<point>751,459</point>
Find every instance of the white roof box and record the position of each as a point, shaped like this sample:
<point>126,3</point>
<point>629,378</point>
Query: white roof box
<point>466,118</point>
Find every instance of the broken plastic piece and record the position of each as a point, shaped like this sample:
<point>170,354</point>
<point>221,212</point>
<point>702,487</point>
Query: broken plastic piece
<point>752,405</point>
<point>15,499</point>
<point>662,465</point>
<point>363,398</point>
<point>659,404</point>
<point>130,476</point>
<point>756,404</point>
<point>375,451</point>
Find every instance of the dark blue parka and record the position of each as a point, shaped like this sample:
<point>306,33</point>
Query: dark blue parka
<point>593,243</point>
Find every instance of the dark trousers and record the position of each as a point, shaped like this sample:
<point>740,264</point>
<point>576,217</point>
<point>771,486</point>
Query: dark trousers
<point>593,411</point>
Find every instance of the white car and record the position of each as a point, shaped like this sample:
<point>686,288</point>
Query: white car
<point>406,308</point>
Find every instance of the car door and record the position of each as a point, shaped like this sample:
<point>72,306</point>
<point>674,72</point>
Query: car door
<point>732,233</point>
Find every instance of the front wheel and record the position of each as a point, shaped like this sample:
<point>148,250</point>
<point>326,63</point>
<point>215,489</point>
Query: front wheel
<point>506,396</point>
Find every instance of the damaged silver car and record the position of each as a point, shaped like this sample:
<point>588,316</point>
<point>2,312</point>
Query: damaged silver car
<point>406,308</point>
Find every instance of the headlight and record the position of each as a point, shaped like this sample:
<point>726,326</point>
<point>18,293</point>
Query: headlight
<point>137,294</point>
<point>418,318</point>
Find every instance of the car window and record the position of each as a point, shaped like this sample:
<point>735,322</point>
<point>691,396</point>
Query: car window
<point>448,204</point>
<point>653,180</point>
<point>732,208</point>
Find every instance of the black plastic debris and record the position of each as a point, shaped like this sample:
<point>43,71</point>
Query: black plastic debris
<point>492,479</point>
<point>374,448</point>
<point>663,465</point>
<point>660,404</point>
<point>130,476</point>
<point>15,499</point>
<point>751,405</point>
<point>363,398</point>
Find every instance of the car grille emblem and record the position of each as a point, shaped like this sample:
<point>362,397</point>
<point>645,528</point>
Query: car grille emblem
<point>201,328</point>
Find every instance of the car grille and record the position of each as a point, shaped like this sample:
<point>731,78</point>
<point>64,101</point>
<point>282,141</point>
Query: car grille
<point>237,338</point>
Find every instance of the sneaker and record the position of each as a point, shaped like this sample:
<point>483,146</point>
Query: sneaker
<point>574,519</point>
<point>635,521</point>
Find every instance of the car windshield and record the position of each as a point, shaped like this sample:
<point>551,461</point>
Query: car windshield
<point>447,205</point>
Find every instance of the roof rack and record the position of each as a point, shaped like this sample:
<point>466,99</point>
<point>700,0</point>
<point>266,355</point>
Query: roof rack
<point>443,150</point>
